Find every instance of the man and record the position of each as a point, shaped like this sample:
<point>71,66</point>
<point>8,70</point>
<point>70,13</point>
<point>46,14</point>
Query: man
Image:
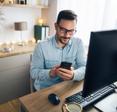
<point>47,56</point>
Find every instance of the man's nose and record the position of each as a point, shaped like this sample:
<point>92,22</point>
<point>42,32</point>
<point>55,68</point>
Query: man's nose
<point>66,34</point>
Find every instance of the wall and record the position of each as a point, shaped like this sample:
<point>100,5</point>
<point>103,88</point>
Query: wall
<point>110,15</point>
<point>50,15</point>
<point>93,15</point>
<point>14,14</point>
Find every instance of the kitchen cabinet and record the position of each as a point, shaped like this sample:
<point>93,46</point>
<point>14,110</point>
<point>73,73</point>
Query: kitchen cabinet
<point>14,76</point>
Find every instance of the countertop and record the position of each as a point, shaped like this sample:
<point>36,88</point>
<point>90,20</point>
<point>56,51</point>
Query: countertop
<point>15,49</point>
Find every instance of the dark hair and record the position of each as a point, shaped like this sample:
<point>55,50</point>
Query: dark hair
<point>66,14</point>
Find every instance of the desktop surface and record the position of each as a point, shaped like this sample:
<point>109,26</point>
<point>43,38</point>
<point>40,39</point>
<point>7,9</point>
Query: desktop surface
<point>38,101</point>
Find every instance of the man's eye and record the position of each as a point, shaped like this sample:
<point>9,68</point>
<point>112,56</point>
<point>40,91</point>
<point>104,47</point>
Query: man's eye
<point>63,29</point>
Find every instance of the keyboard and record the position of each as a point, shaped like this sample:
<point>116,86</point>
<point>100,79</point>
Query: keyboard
<point>87,101</point>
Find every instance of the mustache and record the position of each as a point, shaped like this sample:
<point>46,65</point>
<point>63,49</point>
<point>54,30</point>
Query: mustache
<point>65,37</point>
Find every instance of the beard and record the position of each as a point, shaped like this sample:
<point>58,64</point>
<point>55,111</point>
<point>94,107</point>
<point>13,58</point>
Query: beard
<point>64,40</point>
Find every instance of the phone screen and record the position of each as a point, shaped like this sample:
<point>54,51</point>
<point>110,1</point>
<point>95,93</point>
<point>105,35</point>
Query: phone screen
<point>66,65</point>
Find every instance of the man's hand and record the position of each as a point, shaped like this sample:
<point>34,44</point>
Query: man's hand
<point>53,71</point>
<point>65,74</point>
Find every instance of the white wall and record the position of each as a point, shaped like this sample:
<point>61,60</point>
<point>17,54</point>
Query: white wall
<point>92,15</point>
<point>110,15</point>
<point>14,14</point>
<point>50,15</point>
<point>89,15</point>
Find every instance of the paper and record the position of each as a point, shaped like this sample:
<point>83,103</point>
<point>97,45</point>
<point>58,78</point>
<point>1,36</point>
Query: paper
<point>108,104</point>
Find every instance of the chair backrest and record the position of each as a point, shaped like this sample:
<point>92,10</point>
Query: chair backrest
<point>32,89</point>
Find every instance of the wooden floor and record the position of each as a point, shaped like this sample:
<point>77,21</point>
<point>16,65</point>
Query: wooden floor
<point>11,106</point>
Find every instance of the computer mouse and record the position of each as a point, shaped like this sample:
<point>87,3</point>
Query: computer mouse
<point>53,99</point>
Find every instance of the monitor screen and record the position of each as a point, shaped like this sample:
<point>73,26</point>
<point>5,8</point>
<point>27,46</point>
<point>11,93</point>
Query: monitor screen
<point>101,68</point>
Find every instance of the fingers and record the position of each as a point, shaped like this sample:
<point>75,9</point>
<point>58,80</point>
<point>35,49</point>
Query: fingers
<point>65,74</point>
<point>53,71</point>
<point>56,66</point>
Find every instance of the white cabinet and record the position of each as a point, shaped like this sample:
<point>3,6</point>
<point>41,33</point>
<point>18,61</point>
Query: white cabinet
<point>14,76</point>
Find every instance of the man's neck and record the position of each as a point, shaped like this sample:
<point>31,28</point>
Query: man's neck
<point>59,44</point>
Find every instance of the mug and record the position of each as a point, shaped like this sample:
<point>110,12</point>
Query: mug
<point>71,107</point>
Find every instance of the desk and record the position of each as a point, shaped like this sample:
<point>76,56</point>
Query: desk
<point>38,101</point>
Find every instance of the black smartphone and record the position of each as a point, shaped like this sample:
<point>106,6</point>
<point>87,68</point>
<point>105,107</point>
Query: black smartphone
<point>66,65</point>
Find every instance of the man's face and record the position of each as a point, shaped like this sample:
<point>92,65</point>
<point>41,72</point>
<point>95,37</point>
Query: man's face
<point>65,30</point>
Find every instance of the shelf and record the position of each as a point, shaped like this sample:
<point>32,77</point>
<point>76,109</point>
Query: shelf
<point>24,6</point>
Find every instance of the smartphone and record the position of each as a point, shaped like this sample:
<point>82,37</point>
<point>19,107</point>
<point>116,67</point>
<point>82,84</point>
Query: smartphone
<point>66,65</point>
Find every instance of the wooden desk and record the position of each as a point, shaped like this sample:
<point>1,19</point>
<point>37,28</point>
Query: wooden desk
<point>38,101</point>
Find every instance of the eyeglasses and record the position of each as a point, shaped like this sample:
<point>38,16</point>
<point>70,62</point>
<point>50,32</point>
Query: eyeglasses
<point>63,30</point>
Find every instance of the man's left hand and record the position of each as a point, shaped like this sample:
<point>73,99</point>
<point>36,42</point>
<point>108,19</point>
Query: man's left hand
<point>65,74</point>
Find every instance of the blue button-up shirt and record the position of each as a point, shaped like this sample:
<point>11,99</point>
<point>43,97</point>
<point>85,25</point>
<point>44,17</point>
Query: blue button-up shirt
<point>46,55</point>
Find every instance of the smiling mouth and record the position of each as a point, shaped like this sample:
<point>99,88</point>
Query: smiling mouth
<point>65,39</point>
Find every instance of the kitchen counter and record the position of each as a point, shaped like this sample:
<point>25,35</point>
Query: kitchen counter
<point>15,70</point>
<point>16,49</point>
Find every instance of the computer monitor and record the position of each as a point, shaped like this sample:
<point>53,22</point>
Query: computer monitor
<point>101,68</point>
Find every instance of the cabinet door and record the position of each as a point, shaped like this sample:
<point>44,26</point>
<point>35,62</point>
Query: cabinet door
<point>14,77</point>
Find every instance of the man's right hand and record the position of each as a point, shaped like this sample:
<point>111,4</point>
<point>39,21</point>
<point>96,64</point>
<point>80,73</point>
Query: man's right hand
<point>53,71</point>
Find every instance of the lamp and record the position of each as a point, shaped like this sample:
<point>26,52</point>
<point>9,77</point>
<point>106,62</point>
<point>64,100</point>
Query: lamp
<point>20,26</point>
<point>40,21</point>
